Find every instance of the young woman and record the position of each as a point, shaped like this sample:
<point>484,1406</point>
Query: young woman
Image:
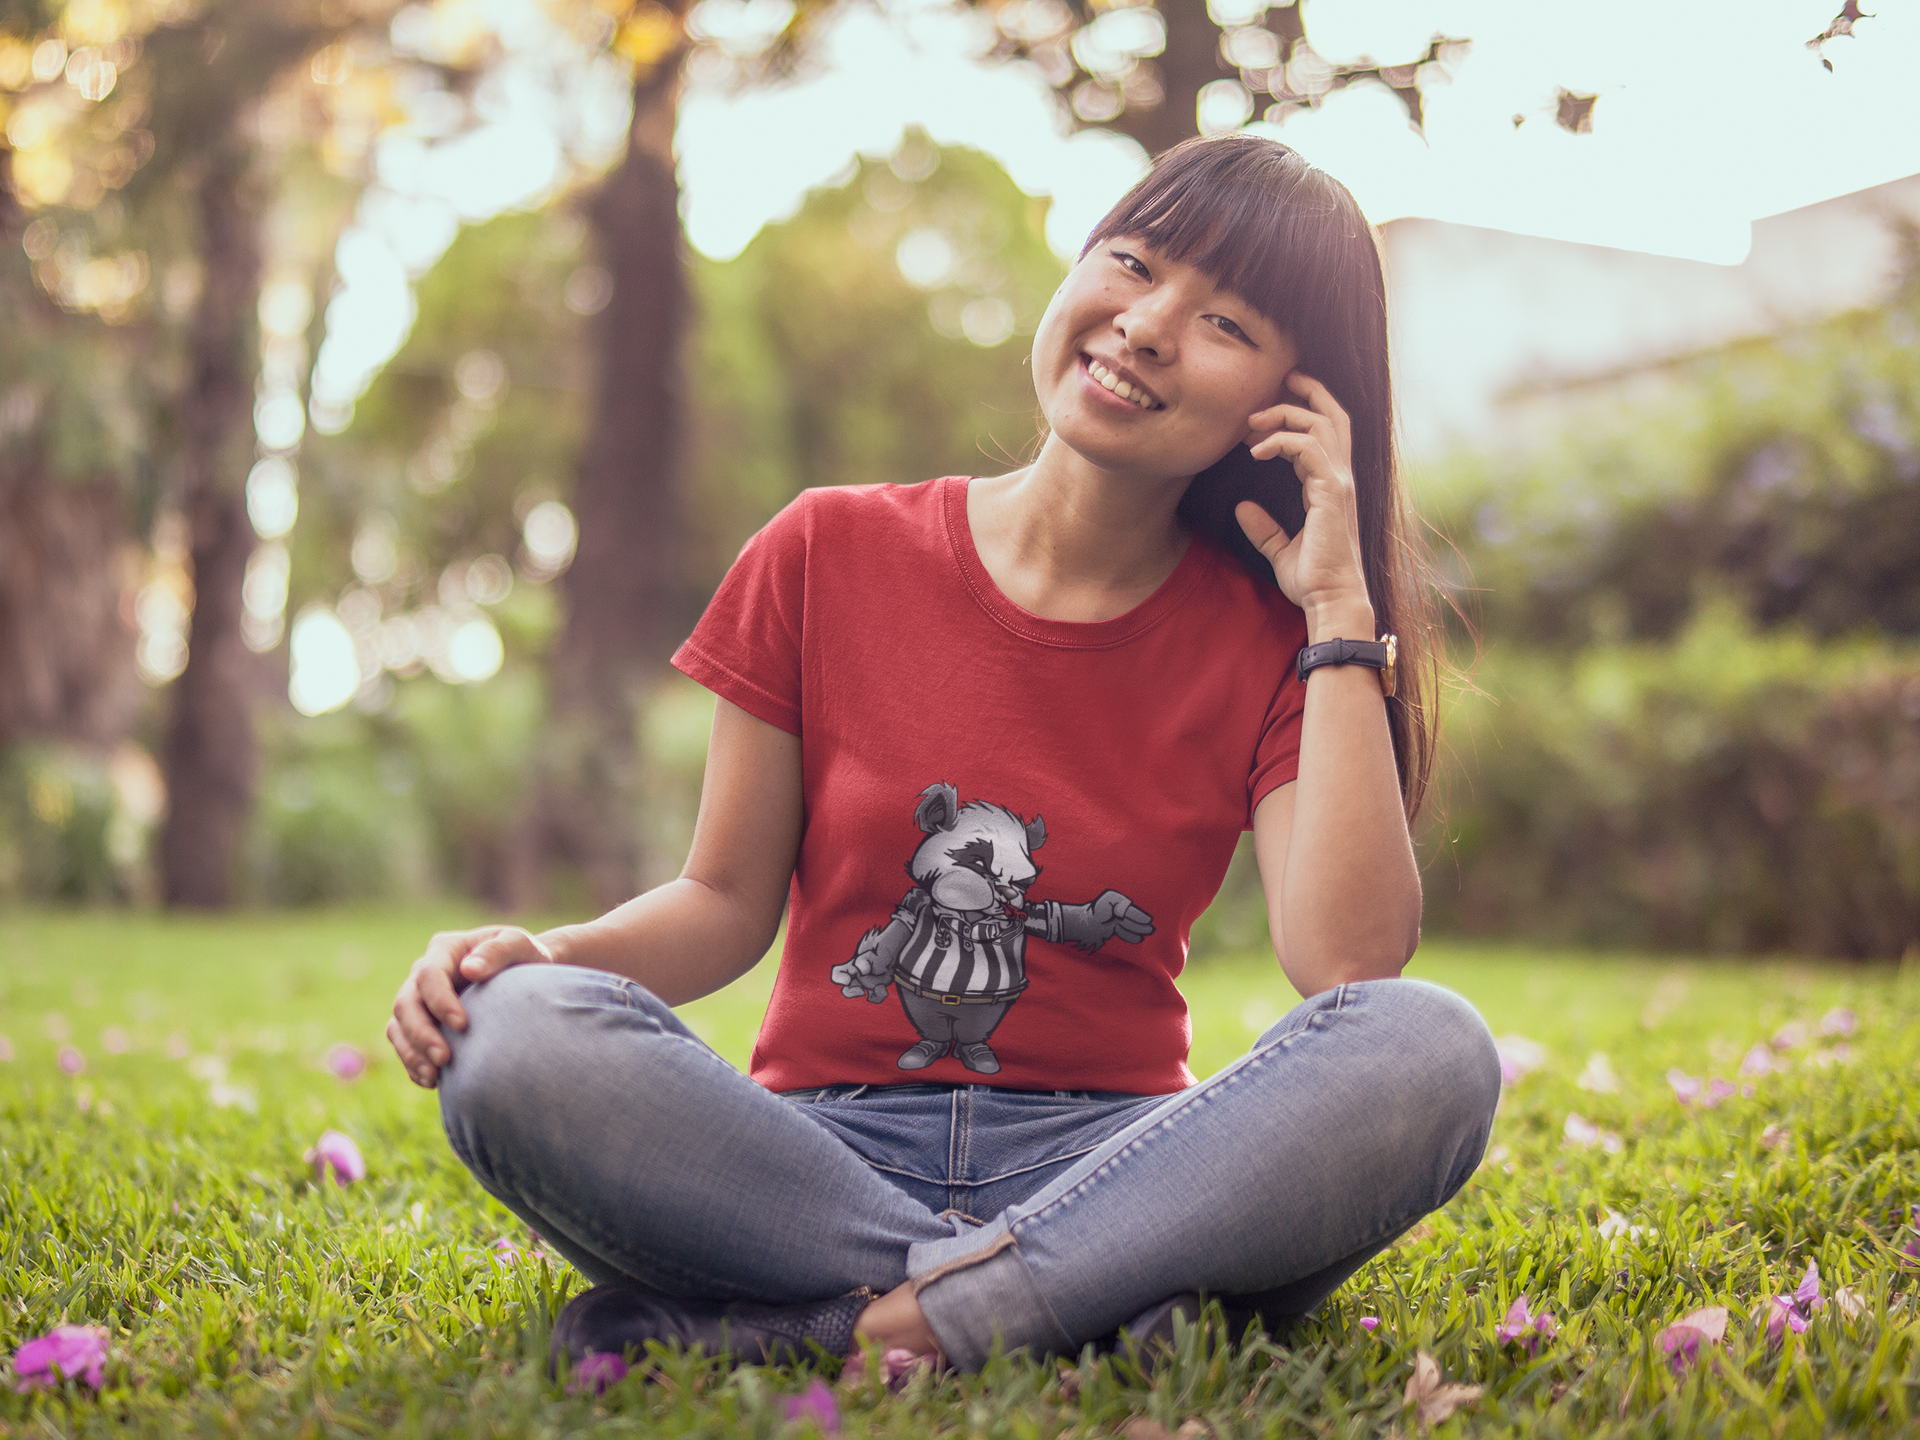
<point>991,743</point>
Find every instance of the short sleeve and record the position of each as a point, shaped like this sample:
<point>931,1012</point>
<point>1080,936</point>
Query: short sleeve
<point>1276,760</point>
<point>747,646</point>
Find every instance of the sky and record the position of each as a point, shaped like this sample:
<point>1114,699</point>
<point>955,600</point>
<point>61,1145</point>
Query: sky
<point>1712,113</point>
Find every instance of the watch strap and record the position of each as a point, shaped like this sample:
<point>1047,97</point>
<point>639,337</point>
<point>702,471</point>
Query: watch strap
<point>1371,653</point>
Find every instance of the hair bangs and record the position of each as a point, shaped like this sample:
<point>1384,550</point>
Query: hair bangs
<point>1248,213</point>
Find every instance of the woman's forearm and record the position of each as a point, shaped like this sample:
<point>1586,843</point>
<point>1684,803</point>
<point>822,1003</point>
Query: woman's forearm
<point>1347,902</point>
<point>681,940</point>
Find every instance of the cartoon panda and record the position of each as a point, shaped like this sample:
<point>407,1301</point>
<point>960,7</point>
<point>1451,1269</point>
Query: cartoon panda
<point>955,949</point>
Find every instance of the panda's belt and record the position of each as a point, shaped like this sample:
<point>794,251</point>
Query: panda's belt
<point>997,998</point>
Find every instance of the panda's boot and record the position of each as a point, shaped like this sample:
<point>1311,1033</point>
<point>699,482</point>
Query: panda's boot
<point>979,1058</point>
<point>925,1053</point>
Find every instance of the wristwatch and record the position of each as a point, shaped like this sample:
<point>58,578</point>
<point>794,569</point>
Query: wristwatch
<point>1375,654</point>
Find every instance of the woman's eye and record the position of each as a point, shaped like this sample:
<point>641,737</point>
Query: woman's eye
<point>1230,328</point>
<point>1131,262</point>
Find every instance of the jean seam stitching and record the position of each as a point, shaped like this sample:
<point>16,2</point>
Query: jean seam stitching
<point>1229,1076</point>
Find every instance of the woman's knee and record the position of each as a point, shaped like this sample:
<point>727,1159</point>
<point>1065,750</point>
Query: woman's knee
<point>524,1033</point>
<point>1444,1068</point>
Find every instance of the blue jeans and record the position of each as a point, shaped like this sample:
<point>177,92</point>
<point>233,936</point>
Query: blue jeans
<point>1043,1219</point>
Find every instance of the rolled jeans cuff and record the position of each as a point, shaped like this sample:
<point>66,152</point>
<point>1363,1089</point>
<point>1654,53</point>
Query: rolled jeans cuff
<point>975,1288</point>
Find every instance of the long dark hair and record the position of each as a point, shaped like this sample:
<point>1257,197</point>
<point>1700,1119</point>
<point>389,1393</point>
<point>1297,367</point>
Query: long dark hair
<point>1288,239</point>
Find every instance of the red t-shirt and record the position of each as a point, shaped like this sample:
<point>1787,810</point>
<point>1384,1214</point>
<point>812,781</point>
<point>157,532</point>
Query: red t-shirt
<point>979,784</point>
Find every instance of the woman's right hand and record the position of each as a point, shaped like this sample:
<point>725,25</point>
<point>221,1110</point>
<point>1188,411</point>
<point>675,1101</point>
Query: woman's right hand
<point>430,995</point>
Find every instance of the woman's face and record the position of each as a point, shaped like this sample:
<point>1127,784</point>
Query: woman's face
<point>1143,366</point>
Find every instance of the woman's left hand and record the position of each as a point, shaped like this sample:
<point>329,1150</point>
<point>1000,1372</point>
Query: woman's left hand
<point>1318,569</point>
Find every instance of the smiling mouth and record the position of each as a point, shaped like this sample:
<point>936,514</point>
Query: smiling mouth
<point>1110,381</point>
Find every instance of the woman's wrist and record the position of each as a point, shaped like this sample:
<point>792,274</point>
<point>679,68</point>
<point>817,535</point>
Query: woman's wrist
<point>1340,619</point>
<point>560,944</point>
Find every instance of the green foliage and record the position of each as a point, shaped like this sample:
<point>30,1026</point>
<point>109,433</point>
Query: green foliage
<point>337,819</point>
<point>65,835</point>
<point>818,363</point>
<point>1783,474</point>
<point>447,472</point>
<point>161,1193</point>
<point>1697,719</point>
<point>1728,791</point>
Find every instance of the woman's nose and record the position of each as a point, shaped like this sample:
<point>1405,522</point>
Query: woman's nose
<point>1145,330</point>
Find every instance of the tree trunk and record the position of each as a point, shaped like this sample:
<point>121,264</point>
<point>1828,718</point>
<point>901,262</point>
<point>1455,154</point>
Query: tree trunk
<point>211,755</point>
<point>1190,62</point>
<point>66,644</point>
<point>623,593</point>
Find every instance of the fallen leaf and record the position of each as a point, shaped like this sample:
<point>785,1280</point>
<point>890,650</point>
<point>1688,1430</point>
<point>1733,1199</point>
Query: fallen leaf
<point>1850,1302</point>
<point>1436,1398</point>
<point>1145,1427</point>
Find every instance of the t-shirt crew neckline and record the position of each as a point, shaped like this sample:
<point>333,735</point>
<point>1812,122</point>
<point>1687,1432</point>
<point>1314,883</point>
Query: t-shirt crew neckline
<point>1070,634</point>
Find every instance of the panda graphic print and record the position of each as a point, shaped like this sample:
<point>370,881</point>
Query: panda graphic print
<point>955,950</point>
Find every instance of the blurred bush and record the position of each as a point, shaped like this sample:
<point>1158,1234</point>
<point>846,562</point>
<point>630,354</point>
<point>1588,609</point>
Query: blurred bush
<point>1729,791</point>
<point>338,818</point>
<point>1696,722</point>
<point>66,835</point>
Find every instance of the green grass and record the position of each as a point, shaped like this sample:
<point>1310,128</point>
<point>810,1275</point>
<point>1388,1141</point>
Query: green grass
<point>244,1298</point>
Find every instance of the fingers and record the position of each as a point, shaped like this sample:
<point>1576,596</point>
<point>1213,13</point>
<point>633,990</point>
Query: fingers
<point>415,1029</point>
<point>501,947</point>
<point>1320,400</point>
<point>1308,449</point>
<point>422,1071</point>
<point>1262,529</point>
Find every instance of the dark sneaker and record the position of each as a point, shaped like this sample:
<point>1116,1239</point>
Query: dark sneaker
<point>1151,1331</point>
<point>620,1319</point>
<point>979,1058</point>
<point>924,1054</point>
<point>1148,1338</point>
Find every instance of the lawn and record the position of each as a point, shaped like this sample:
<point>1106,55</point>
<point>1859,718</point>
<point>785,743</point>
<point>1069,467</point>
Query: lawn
<point>163,1077</point>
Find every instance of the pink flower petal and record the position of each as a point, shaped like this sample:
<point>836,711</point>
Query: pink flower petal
<point>1839,1021</point>
<point>1717,1091</point>
<point>1517,1323</point>
<point>1681,1341</point>
<point>1760,1061</point>
<point>815,1403</point>
<point>1790,1037</point>
<point>1783,1314</point>
<point>1369,1322</point>
<point>1581,1131</point>
<point>596,1371</point>
<point>1686,1088</point>
<point>71,1060</point>
<point>336,1152</point>
<point>348,1062</point>
<point>67,1352</point>
<point>1807,1297</point>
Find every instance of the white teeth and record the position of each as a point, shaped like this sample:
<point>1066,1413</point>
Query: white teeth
<point>1118,386</point>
